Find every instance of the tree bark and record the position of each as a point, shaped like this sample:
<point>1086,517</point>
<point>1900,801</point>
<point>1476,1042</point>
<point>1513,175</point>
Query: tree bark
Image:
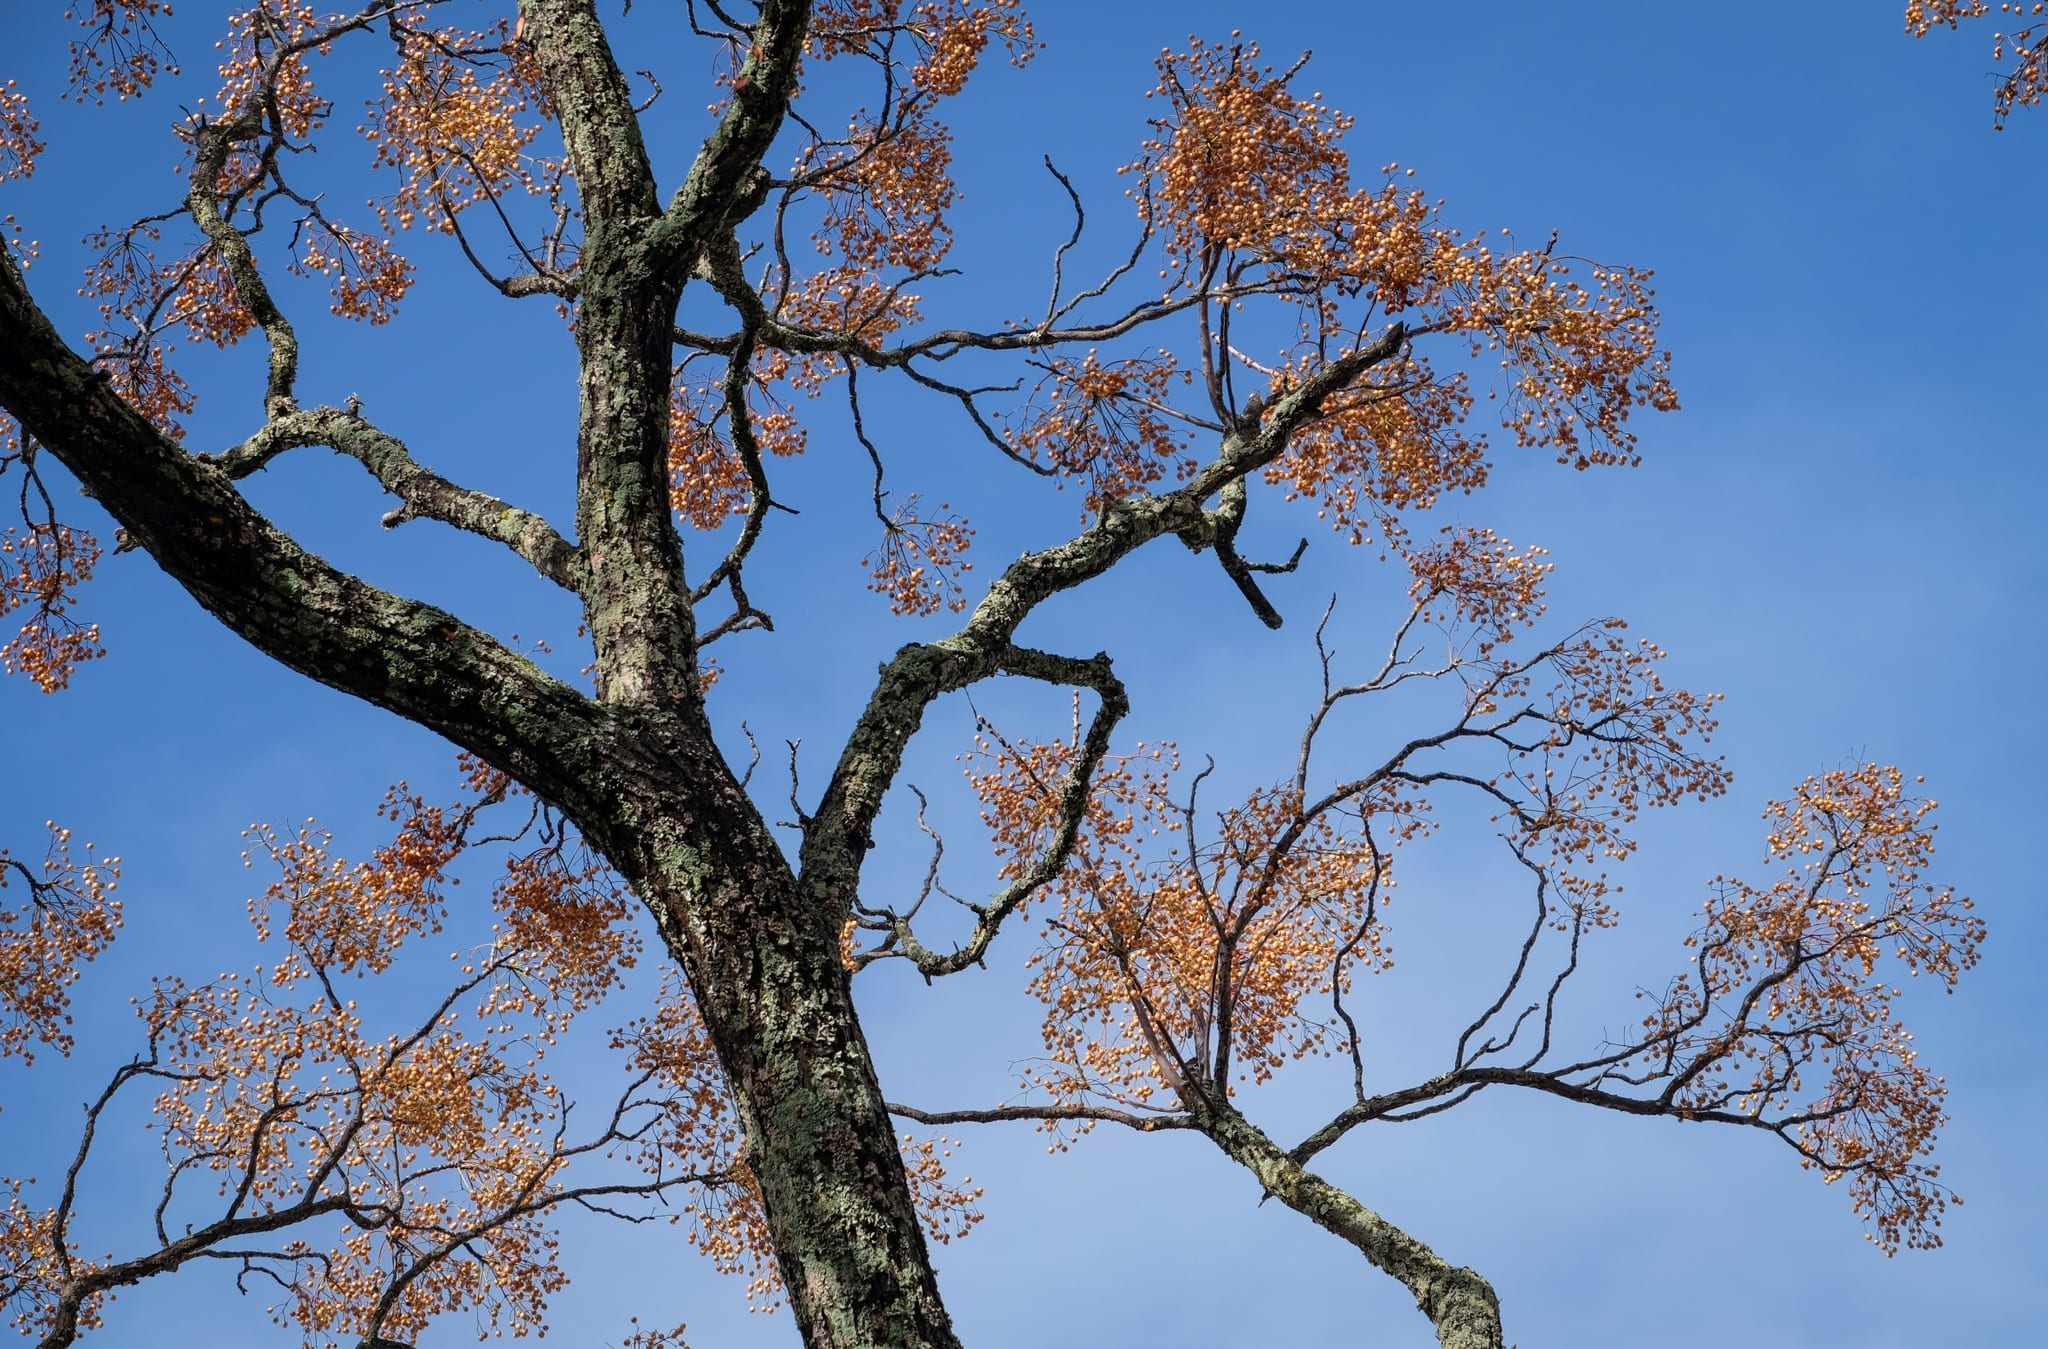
<point>636,768</point>
<point>646,785</point>
<point>1458,1301</point>
<point>762,958</point>
<point>762,955</point>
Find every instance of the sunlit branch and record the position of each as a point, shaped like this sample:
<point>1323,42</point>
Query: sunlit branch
<point>599,129</point>
<point>719,266</point>
<point>1215,373</point>
<point>1458,1302</point>
<point>80,1288</point>
<point>531,1199</point>
<point>212,144</point>
<point>1394,768</point>
<point>949,342</point>
<point>41,892</point>
<point>423,494</point>
<point>727,182</point>
<point>886,920</point>
<point>965,397</point>
<point>860,434</point>
<point>1626,723</point>
<point>1048,1114</point>
<point>1185,1074</point>
<point>733,26</point>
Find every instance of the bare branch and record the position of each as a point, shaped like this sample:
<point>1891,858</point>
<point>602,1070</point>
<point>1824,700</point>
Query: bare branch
<point>1458,1302</point>
<point>921,673</point>
<point>1073,811</point>
<point>213,143</point>
<point>423,493</point>
<point>412,658</point>
<point>1094,1114</point>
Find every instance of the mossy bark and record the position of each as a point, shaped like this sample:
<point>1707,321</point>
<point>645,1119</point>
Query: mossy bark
<point>644,783</point>
<point>1458,1301</point>
<point>635,767</point>
<point>778,1002</point>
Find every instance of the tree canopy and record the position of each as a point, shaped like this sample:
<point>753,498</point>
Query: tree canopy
<point>1244,342</point>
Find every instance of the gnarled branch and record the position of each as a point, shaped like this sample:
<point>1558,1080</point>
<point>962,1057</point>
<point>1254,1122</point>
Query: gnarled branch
<point>423,493</point>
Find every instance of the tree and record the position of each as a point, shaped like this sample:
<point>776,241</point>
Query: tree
<point>2023,53</point>
<point>1313,340</point>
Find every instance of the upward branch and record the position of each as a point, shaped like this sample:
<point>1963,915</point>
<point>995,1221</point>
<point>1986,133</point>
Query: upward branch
<point>214,143</point>
<point>635,261</point>
<point>923,672</point>
<point>727,180</point>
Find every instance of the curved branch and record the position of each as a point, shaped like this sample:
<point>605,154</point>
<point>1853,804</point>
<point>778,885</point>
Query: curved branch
<point>759,499</point>
<point>922,672</point>
<point>423,493</point>
<point>1073,812</point>
<point>213,143</point>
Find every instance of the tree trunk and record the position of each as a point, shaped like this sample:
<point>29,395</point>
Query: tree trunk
<point>645,785</point>
<point>762,956</point>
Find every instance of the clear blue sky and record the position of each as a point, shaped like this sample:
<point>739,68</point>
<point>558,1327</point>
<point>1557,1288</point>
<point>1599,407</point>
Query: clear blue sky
<point>1839,532</point>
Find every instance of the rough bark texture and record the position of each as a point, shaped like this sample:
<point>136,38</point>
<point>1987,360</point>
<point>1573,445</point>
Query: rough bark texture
<point>1460,1303</point>
<point>635,767</point>
<point>646,785</point>
<point>763,960</point>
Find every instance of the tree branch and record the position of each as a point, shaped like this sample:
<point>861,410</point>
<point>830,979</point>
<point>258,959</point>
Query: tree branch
<point>213,143</point>
<point>1047,1113</point>
<point>726,182</point>
<point>1074,790</point>
<point>422,492</point>
<point>599,127</point>
<point>1458,1302</point>
<point>922,672</point>
<point>409,657</point>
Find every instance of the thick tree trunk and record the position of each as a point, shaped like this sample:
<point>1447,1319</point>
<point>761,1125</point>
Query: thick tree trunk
<point>762,958</point>
<point>820,1140</point>
<point>778,1002</point>
<point>635,768</point>
<point>645,785</point>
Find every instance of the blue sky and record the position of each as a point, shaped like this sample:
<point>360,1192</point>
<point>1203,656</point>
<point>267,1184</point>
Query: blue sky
<point>1837,532</point>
